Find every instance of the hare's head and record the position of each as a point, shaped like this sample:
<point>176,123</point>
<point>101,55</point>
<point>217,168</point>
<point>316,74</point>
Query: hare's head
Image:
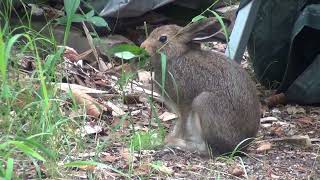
<point>174,40</point>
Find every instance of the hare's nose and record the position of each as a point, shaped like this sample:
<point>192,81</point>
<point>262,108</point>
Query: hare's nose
<point>143,45</point>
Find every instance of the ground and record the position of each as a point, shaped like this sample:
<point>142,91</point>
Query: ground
<point>123,133</point>
<point>286,147</point>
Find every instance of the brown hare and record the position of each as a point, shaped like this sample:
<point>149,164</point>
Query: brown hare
<point>214,97</point>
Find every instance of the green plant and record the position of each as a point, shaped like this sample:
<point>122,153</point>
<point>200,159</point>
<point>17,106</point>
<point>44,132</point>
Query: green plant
<point>146,140</point>
<point>71,8</point>
<point>30,105</point>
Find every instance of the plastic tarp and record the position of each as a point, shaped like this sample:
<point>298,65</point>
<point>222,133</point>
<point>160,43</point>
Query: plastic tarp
<point>127,8</point>
<point>284,48</point>
<point>134,8</point>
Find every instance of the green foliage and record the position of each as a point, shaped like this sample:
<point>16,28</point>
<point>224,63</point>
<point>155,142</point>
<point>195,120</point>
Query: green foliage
<point>126,55</point>
<point>163,70</point>
<point>198,18</point>
<point>71,8</point>
<point>33,125</point>
<point>128,52</point>
<point>146,140</point>
<point>9,171</point>
<point>224,28</point>
<point>22,147</point>
<point>89,17</point>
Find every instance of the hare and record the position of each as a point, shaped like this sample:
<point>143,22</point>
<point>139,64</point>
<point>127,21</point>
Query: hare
<point>214,97</point>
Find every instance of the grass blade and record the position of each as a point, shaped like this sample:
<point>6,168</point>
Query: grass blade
<point>27,150</point>
<point>163,70</point>
<point>9,170</point>
<point>93,163</point>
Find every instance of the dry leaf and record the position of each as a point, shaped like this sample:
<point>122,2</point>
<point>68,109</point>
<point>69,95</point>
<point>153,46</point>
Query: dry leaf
<point>163,168</point>
<point>167,116</point>
<point>126,155</point>
<point>264,147</point>
<point>144,77</point>
<point>275,112</point>
<point>85,155</point>
<point>109,158</point>
<point>116,111</point>
<point>143,169</point>
<point>91,106</point>
<point>273,176</point>
<point>70,54</point>
<point>88,167</point>
<point>275,100</point>
<point>295,110</point>
<point>66,87</point>
<point>299,140</point>
<point>237,171</point>
<point>27,63</point>
<point>306,121</point>
<point>88,129</point>
<point>268,119</point>
<point>276,129</point>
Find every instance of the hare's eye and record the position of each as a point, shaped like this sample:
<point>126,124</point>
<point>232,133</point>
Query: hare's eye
<point>163,39</point>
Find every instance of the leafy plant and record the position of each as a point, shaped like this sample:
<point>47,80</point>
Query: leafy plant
<point>71,8</point>
<point>146,140</point>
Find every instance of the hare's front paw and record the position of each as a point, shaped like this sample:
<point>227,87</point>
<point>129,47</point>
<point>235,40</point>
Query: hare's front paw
<point>184,145</point>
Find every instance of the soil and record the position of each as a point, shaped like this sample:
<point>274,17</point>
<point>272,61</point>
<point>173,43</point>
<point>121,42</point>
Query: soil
<point>287,147</point>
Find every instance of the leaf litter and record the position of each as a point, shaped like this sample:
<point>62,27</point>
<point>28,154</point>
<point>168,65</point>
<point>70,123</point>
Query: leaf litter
<point>287,146</point>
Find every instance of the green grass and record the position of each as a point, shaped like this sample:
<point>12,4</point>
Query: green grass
<point>34,127</point>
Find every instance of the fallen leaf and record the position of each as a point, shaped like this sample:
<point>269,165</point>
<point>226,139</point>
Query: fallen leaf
<point>236,171</point>
<point>276,129</point>
<point>116,111</point>
<point>27,63</point>
<point>88,167</point>
<point>264,147</point>
<point>275,112</point>
<point>85,155</point>
<point>295,110</point>
<point>91,106</point>
<point>70,54</point>
<point>308,121</point>
<point>126,155</point>
<point>273,176</point>
<point>162,168</point>
<point>66,87</point>
<point>268,119</point>
<point>144,77</point>
<point>136,112</point>
<point>142,169</point>
<point>275,100</point>
<point>299,140</point>
<point>101,64</point>
<point>88,129</point>
<point>109,158</point>
<point>167,116</point>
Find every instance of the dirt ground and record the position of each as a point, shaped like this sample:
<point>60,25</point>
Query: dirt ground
<point>287,147</point>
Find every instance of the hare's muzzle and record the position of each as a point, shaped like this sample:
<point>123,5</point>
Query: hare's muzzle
<point>146,45</point>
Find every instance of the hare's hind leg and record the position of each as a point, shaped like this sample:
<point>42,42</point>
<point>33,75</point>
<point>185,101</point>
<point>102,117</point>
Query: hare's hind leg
<point>216,115</point>
<point>186,134</point>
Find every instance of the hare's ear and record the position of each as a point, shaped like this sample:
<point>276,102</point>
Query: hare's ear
<point>205,30</point>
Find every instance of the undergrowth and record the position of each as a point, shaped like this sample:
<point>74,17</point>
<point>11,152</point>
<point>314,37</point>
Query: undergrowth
<point>34,128</point>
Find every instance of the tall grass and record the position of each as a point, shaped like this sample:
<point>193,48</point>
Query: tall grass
<point>33,123</point>
<point>30,118</point>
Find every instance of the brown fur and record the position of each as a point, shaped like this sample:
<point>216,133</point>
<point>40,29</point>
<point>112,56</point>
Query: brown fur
<point>215,99</point>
